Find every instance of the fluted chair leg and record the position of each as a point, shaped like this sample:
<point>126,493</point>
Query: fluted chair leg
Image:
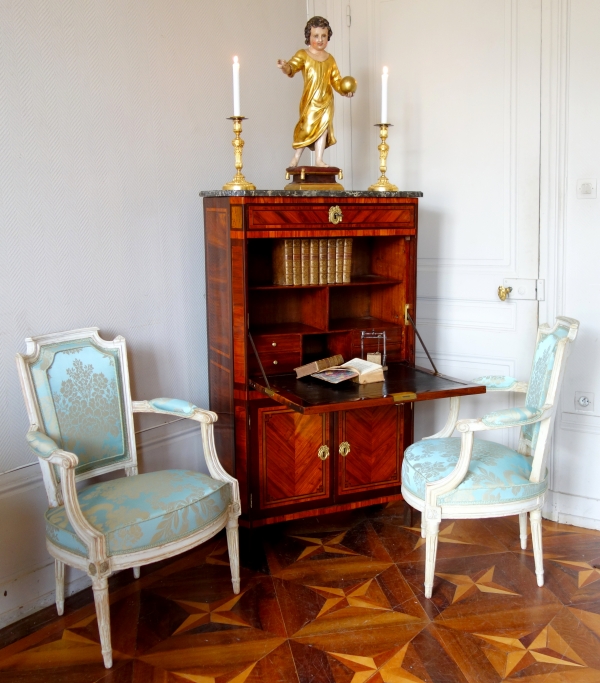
<point>431,542</point>
<point>233,545</point>
<point>136,572</point>
<point>100,588</point>
<point>523,529</point>
<point>59,576</point>
<point>535,517</point>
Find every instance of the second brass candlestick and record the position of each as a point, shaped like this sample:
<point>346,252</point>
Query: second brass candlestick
<point>383,184</point>
<point>238,182</point>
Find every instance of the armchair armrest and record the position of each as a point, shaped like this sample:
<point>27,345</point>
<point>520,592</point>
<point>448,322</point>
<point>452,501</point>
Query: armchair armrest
<point>47,449</point>
<point>179,408</point>
<point>501,383</point>
<point>509,417</point>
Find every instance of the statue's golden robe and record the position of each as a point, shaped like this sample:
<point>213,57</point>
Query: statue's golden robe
<point>316,105</point>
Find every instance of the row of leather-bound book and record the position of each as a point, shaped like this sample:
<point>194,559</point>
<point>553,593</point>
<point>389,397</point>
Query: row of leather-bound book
<point>312,261</point>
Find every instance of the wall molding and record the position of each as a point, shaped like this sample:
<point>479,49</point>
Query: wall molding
<point>553,167</point>
<point>20,480</point>
<point>486,315</point>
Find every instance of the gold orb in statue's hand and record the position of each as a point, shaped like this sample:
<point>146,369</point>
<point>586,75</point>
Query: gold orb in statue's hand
<point>348,85</point>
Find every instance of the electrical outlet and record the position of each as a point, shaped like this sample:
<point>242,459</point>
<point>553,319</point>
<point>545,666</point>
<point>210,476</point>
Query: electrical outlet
<point>584,402</point>
<point>586,188</point>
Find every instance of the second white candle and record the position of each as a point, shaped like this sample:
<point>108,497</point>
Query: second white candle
<point>384,95</point>
<point>236,87</point>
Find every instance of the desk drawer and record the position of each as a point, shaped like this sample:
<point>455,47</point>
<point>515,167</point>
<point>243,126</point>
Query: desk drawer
<point>286,216</point>
<point>275,363</point>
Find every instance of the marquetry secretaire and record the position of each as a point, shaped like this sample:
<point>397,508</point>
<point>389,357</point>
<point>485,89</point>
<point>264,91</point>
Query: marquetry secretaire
<point>303,447</point>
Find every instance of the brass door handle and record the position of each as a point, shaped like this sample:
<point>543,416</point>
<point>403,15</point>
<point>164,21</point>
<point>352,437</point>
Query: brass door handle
<point>344,449</point>
<point>323,452</point>
<point>503,292</point>
<point>335,215</point>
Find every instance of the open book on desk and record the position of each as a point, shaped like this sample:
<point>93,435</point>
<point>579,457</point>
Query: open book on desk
<point>358,370</point>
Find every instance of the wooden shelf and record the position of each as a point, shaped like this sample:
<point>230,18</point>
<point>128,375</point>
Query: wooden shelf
<point>361,281</point>
<point>367,323</point>
<point>285,328</point>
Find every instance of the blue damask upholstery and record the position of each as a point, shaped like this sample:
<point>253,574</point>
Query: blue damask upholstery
<point>144,511</point>
<point>173,405</point>
<point>496,382</point>
<point>512,417</point>
<point>78,390</point>
<point>496,473</point>
<point>543,362</point>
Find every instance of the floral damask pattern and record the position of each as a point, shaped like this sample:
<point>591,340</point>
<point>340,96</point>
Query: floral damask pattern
<point>543,363</point>
<point>143,511</point>
<point>85,401</point>
<point>496,382</point>
<point>496,473</point>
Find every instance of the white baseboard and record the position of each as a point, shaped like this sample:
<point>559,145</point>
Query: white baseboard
<point>576,510</point>
<point>31,592</point>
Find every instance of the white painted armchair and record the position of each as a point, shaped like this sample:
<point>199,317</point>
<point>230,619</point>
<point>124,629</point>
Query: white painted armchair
<point>466,478</point>
<point>76,389</point>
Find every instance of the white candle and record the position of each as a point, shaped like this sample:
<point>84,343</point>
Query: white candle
<point>236,87</point>
<point>384,95</point>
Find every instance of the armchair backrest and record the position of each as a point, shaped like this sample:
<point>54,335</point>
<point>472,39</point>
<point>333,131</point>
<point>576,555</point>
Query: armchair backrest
<point>551,352</point>
<point>76,388</point>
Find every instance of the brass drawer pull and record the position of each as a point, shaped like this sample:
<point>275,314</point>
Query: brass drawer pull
<point>275,362</point>
<point>323,452</point>
<point>344,449</point>
<point>273,343</point>
<point>335,215</point>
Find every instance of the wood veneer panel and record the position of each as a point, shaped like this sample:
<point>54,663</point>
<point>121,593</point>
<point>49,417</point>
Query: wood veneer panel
<point>219,318</point>
<point>313,214</point>
<point>375,439</point>
<point>290,470</point>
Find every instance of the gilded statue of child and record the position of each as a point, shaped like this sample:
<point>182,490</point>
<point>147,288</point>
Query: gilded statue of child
<point>321,76</point>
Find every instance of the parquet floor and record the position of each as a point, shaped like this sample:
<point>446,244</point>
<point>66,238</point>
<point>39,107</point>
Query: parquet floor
<point>339,600</point>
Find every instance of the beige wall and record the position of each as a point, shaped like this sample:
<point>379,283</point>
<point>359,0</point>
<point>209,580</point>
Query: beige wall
<point>112,119</point>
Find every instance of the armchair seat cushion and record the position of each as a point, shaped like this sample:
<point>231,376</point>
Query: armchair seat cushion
<point>142,511</point>
<point>496,474</point>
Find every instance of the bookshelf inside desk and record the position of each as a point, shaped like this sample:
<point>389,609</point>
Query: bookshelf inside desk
<point>295,458</point>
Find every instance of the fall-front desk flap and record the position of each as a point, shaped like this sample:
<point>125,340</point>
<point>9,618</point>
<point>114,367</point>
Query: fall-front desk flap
<point>403,384</point>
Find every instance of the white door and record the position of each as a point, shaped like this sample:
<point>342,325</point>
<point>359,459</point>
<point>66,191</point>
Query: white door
<point>464,101</point>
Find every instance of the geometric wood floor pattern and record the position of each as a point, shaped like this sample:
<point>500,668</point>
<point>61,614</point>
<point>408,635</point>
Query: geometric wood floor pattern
<point>339,599</point>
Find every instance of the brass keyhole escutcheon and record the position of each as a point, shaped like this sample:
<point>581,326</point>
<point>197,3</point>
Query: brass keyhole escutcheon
<point>323,452</point>
<point>503,292</point>
<point>344,449</point>
<point>335,215</point>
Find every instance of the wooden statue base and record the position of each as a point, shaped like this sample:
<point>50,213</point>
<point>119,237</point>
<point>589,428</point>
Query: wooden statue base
<point>313,178</point>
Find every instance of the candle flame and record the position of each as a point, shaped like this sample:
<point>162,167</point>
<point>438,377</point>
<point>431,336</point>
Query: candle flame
<point>385,69</point>
<point>235,60</point>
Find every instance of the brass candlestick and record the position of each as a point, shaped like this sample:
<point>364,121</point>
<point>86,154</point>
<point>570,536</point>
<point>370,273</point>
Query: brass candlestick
<point>238,182</point>
<point>383,184</point>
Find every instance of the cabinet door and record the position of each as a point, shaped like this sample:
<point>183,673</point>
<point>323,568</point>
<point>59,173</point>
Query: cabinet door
<point>294,463</point>
<point>369,449</point>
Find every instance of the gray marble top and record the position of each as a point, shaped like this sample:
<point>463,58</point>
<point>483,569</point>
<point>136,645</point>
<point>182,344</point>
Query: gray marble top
<point>306,193</point>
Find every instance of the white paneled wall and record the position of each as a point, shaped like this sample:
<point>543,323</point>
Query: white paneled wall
<point>570,231</point>
<point>112,119</point>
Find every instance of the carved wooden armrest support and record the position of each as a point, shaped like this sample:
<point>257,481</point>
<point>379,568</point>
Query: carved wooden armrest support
<point>206,418</point>
<point>45,447</point>
<point>450,425</point>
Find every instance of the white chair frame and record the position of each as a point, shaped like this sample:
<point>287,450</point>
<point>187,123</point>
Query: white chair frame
<point>98,564</point>
<point>433,513</point>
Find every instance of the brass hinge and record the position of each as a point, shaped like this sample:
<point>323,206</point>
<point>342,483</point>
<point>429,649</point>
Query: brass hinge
<point>404,396</point>
<point>250,500</point>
